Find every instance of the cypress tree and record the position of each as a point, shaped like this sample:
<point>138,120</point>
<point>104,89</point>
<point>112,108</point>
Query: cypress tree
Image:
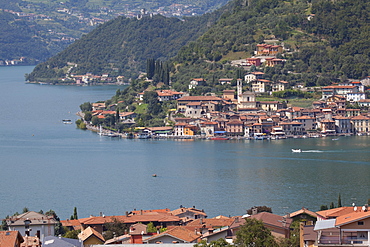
<point>150,68</point>
<point>75,217</point>
<point>339,201</point>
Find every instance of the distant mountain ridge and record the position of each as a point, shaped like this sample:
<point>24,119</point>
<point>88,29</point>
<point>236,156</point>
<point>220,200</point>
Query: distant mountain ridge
<point>51,26</point>
<point>122,46</point>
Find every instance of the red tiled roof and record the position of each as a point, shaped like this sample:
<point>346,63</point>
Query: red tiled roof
<point>273,219</point>
<point>131,219</point>
<point>183,210</point>
<point>209,123</point>
<point>352,217</point>
<point>199,98</point>
<point>108,112</point>
<point>71,223</point>
<point>341,117</point>
<point>303,211</point>
<point>180,124</point>
<point>10,238</point>
<point>166,210</point>
<point>180,233</point>
<point>335,212</point>
<point>338,87</point>
<point>194,103</point>
<point>88,232</point>
<point>235,122</point>
<point>159,128</point>
<point>268,102</point>
<point>360,117</point>
<point>211,223</point>
<point>304,117</point>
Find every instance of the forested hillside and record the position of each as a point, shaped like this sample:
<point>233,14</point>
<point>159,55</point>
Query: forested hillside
<point>56,24</point>
<point>323,41</point>
<point>122,46</point>
<point>332,44</point>
<point>17,37</point>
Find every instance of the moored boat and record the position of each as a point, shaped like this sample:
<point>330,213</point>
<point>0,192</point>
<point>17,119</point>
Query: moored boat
<point>219,138</point>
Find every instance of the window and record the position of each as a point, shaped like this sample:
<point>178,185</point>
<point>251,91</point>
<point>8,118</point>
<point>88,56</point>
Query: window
<point>360,223</point>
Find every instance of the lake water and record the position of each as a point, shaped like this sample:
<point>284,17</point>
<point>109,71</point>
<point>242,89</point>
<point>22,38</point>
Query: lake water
<point>46,164</point>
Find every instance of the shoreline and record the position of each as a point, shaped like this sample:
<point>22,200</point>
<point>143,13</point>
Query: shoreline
<point>110,133</point>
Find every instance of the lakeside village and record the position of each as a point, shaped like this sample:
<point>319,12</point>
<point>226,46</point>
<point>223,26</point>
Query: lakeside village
<point>341,110</point>
<point>242,117</point>
<point>341,226</point>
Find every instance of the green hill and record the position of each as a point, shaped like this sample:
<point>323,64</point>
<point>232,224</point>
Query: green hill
<point>122,46</point>
<point>17,37</point>
<point>323,40</point>
<point>332,44</point>
<point>51,26</point>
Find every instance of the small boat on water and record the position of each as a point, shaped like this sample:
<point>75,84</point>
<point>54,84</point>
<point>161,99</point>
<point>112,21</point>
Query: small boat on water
<point>112,134</point>
<point>143,136</point>
<point>296,150</point>
<point>219,138</point>
<point>67,121</point>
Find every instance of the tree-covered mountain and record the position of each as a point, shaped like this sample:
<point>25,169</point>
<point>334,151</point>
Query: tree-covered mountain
<point>56,24</point>
<point>17,37</point>
<point>323,40</point>
<point>122,46</point>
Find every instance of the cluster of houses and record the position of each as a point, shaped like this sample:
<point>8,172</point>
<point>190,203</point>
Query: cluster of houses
<point>90,78</point>
<point>239,114</point>
<point>343,226</point>
<point>12,62</point>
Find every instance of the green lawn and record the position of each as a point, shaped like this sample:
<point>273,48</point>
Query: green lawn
<point>304,103</point>
<point>141,109</point>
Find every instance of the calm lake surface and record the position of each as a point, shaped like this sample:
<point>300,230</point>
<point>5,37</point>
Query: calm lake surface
<point>46,164</point>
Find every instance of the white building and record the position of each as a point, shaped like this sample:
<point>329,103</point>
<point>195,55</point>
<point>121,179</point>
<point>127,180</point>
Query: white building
<point>32,224</point>
<point>356,97</point>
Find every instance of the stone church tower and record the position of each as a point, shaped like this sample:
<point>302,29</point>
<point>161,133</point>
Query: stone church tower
<point>246,99</point>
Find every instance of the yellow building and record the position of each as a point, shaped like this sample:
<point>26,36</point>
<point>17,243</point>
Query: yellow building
<point>89,236</point>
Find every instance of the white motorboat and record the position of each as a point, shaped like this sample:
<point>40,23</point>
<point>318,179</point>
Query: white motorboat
<point>296,150</point>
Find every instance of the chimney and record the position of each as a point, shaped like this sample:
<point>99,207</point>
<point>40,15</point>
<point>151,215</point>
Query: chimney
<point>126,214</point>
<point>141,212</point>
<point>254,211</point>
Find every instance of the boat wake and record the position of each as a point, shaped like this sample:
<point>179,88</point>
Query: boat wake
<point>312,151</point>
